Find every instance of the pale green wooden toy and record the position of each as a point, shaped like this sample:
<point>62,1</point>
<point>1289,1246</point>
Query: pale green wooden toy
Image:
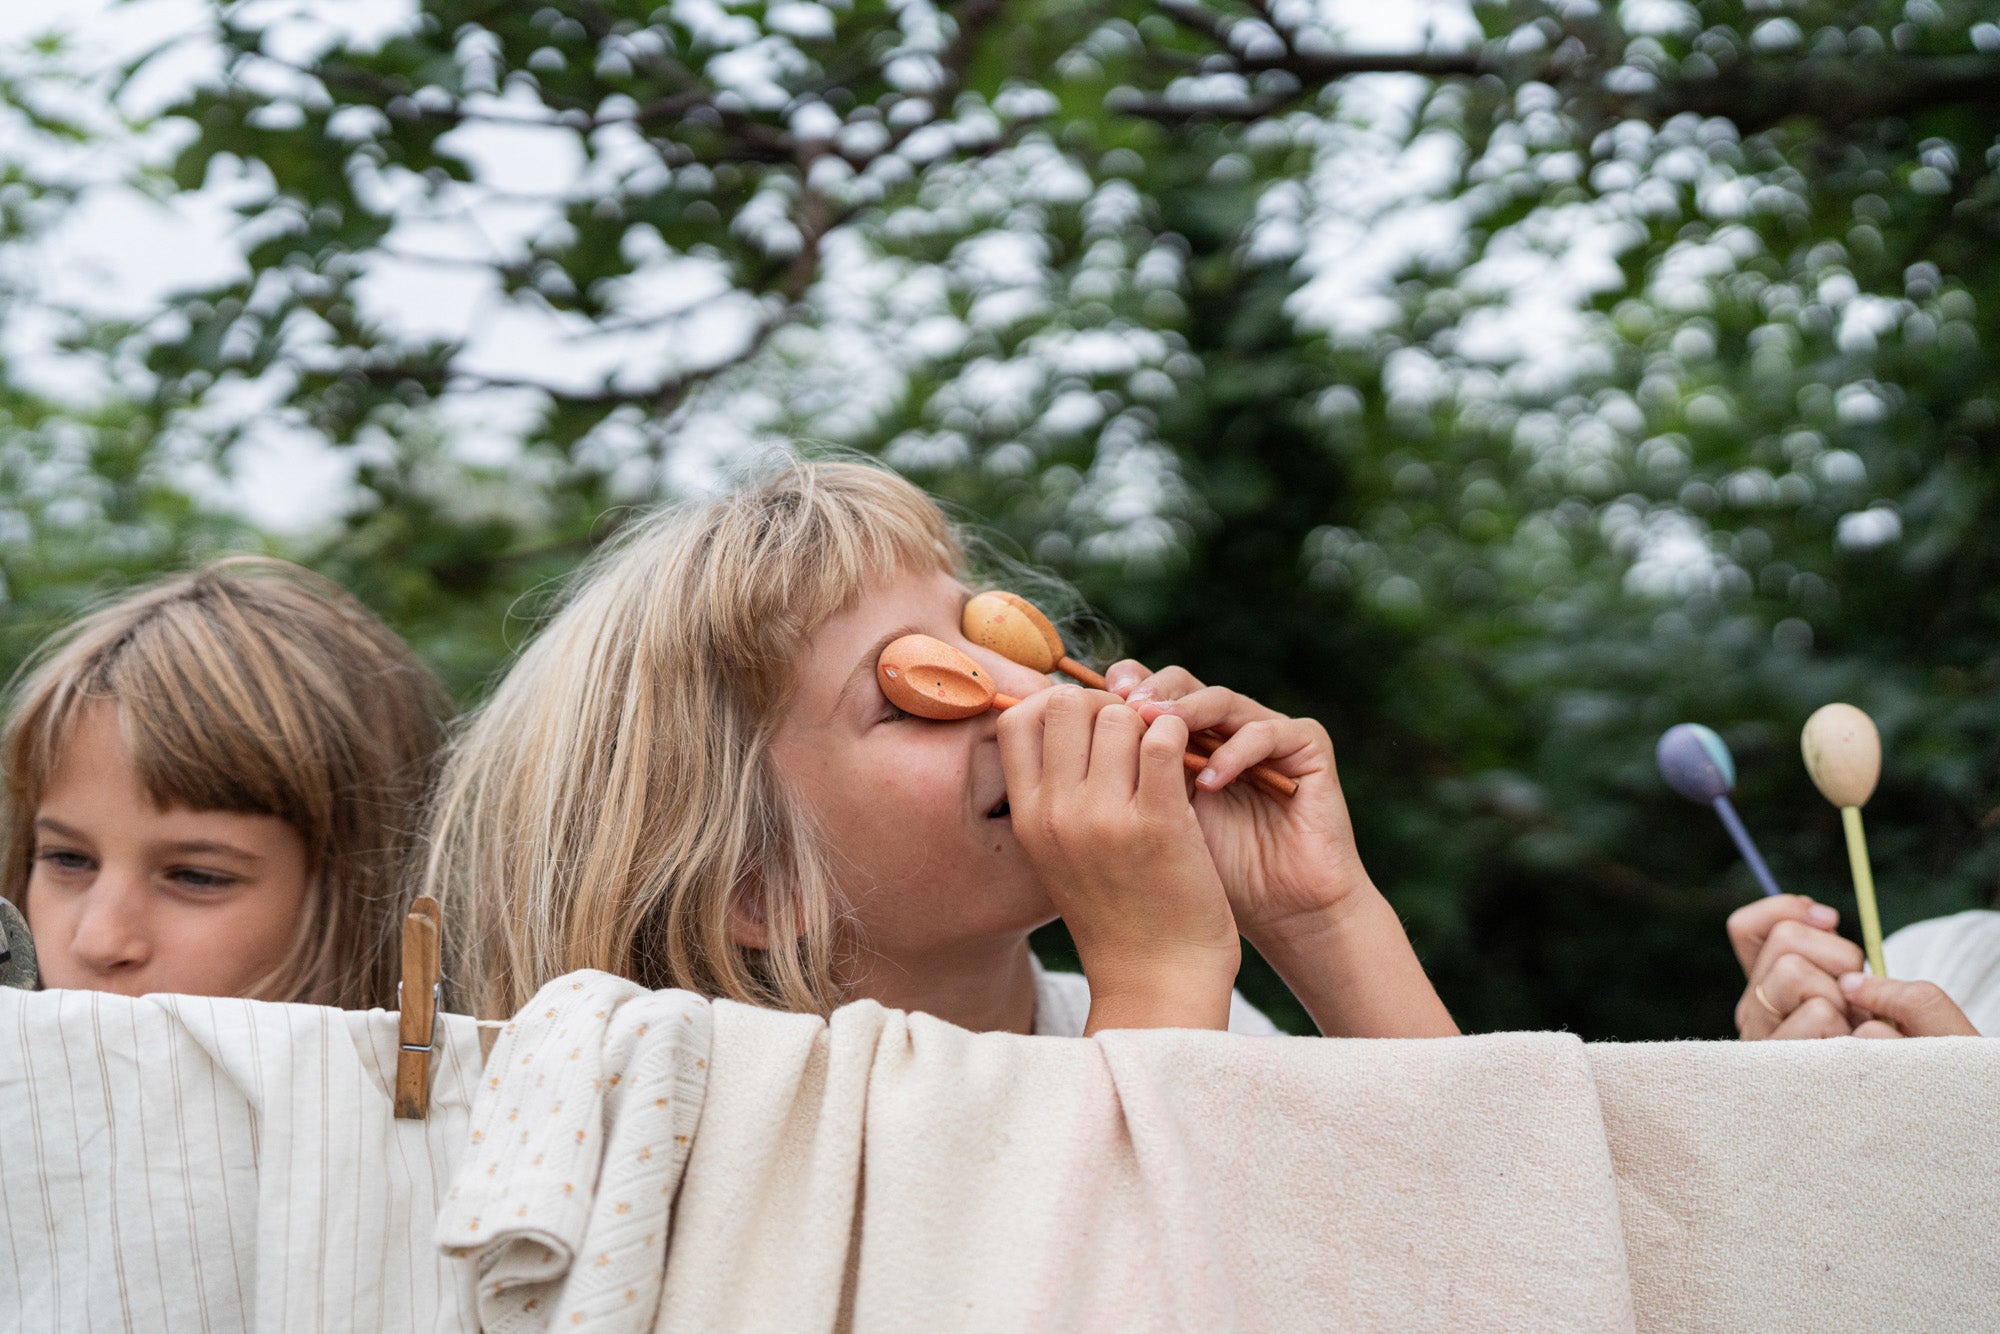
<point>1844,756</point>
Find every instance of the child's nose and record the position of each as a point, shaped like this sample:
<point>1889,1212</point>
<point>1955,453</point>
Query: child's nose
<point>111,931</point>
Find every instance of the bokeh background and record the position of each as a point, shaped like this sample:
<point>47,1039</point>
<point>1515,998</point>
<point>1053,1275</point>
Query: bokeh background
<point>1500,383</point>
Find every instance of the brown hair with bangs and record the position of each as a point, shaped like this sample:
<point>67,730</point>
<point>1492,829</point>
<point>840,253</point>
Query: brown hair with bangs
<point>616,795</point>
<point>255,687</point>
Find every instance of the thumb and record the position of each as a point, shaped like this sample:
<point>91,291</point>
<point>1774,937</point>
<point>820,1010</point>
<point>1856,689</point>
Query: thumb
<point>1920,1009</point>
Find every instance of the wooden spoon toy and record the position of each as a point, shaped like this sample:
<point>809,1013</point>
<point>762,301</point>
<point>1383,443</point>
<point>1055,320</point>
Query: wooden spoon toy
<point>1697,764</point>
<point>1843,754</point>
<point>930,679</point>
<point>1018,631</point>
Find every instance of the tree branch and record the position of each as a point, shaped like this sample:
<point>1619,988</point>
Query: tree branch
<point>1832,92</point>
<point>661,397</point>
<point>1168,111</point>
<point>1753,96</point>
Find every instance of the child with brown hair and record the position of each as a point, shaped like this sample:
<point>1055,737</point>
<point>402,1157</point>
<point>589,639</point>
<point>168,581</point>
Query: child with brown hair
<point>212,786</point>
<point>691,778</point>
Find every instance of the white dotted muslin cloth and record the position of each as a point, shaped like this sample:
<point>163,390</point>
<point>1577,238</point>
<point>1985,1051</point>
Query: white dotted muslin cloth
<point>580,1131</point>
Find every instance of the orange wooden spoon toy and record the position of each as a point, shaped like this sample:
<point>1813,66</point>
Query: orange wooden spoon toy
<point>931,679</point>
<point>1018,631</point>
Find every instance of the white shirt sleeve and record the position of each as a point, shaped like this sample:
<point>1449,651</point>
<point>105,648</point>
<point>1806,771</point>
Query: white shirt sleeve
<point>1062,1008</point>
<point>1960,953</point>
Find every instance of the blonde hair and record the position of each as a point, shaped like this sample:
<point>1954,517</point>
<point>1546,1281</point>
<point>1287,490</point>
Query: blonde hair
<point>258,687</point>
<point>616,797</point>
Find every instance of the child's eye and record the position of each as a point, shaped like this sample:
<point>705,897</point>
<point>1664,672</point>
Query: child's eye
<point>61,859</point>
<point>892,714</point>
<point>192,877</point>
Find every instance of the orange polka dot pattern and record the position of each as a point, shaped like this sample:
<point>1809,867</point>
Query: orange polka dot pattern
<point>577,1144</point>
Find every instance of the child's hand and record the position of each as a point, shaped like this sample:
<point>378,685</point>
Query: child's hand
<point>1294,880</point>
<point>1285,862</point>
<point>1791,958</point>
<point>1891,1009</point>
<point>1806,982</point>
<point>1100,805</point>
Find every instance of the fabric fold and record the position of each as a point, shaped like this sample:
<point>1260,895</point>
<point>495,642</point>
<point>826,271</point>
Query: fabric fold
<point>584,1119</point>
<point>767,1218</point>
<point>1172,1180</point>
<point>886,1171</point>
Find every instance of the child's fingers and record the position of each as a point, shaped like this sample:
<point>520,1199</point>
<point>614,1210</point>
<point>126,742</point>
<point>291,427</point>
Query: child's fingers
<point>1167,683</point>
<point>1831,954</point>
<point>1122,676</point>
<point>1135,682</point>
<point>1792,981</point>
<point>1284,743</point>
<point>1068,720</point>
<point>1114,753</point>
<point>1021,743</point>
<point>1162,775</point>
<point>1817,1018</point>
<point>1920,1009</point>
<point>1753,922</point>
<point>1211,706</point>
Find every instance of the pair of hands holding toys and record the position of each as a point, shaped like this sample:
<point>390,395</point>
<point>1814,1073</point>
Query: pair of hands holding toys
<point>1805,981</point>
<point>1156,886</point>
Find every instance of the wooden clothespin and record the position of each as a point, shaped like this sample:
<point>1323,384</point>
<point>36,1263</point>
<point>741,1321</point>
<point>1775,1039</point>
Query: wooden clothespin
<point>417,998</point>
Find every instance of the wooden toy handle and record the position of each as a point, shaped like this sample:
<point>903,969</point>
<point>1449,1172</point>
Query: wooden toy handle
<point>1079,673</point>
<point>1263,775</point>
<point>1864,888</point>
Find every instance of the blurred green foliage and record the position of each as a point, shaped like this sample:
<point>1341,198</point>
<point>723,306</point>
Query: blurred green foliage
<point>1067,264</point>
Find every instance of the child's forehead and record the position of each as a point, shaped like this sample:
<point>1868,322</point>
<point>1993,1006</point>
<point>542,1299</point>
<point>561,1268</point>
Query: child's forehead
<point>907,602</point>
<point>904,595</point>
<point>149,748</point>
<point>85,743</point>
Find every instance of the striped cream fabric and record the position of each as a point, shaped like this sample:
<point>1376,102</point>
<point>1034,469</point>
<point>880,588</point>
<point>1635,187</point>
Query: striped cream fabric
<point>188,1163</point>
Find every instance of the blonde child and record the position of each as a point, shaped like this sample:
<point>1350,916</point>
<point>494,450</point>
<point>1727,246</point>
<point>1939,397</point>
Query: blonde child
<point>691,779</point>
<point>212,787</point>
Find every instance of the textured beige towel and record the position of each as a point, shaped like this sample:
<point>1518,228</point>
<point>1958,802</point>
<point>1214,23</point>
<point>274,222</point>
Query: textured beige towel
<point>891,1172</point>
<point>1808,1186</point>
<point>183,1163</point>
<point>884,1171</point>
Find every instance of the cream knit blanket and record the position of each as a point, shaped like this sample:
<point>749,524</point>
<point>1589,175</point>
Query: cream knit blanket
<point>889,1171</point>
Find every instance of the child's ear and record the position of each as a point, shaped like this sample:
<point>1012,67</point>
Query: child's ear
<point>747,926</point>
